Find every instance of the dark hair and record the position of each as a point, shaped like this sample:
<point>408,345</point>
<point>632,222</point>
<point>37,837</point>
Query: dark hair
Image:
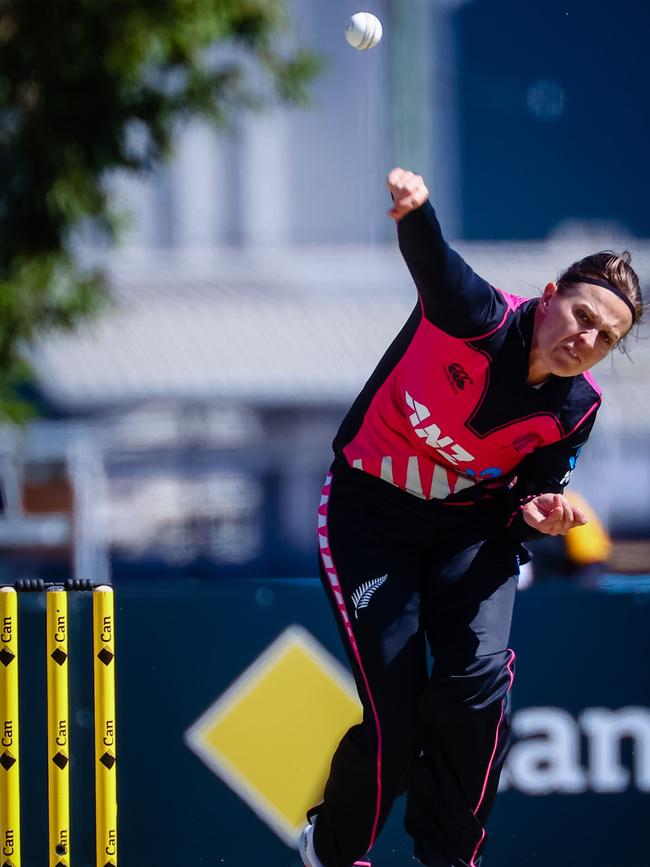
<point>614,269</point>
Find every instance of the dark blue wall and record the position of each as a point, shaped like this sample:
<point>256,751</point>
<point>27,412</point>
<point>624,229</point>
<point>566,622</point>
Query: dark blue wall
<point>180,644</point>
<point>588,158</point>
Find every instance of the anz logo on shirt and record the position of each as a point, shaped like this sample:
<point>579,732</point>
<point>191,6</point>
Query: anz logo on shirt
<point>444,445</point>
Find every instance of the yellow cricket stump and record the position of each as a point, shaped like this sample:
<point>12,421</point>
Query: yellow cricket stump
<point>105,754</point>
<point>9,752</point>
<point>58,750</point>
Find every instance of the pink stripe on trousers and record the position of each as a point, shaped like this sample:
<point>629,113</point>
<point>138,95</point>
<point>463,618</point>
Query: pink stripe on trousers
<point>472,862</point>
<point>330,569</point>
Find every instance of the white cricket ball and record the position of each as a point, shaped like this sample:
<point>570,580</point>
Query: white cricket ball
<point>363,30</point>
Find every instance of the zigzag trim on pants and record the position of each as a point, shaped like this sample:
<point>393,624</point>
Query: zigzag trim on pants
<point>472,862</point>
<point>330,569</point>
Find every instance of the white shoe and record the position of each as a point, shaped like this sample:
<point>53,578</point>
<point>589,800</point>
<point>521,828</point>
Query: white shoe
<point>306,847</point>
<point>308,853</point>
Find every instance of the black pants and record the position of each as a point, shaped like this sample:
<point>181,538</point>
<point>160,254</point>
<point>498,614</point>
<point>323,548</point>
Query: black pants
<point>397,579</point>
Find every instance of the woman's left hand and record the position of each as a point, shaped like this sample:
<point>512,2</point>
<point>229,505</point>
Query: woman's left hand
<point>552,514</point>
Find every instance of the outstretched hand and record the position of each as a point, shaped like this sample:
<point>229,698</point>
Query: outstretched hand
<point>408,192</point>
<point>552,514</point>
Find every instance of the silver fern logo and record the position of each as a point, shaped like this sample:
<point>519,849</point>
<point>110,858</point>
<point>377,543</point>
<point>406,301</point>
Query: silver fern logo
<point>362,595</point>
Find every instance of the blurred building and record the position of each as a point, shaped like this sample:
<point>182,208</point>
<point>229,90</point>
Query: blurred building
<point>189,428</point>
<point>194,421</point>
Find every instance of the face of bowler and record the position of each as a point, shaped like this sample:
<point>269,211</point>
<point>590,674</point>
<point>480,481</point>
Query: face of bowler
<point>574,329</point>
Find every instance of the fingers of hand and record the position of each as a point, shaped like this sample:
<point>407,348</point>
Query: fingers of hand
<point>553,523</point>
<point>401,209</point>
<point>532,514</point>
<point>571,516</point>
<point>552,514</point>
<point>579,516</point>
<point>408,192</point>
<point>565,515</point>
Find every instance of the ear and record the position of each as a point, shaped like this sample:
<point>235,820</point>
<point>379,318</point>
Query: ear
<point>550,290</point>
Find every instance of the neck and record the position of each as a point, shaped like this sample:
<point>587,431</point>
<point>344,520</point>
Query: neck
<point>538,372</point>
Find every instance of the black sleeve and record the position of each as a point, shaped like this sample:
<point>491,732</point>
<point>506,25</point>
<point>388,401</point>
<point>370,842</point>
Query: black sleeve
<point>453,297</point>
<point>545,471</point>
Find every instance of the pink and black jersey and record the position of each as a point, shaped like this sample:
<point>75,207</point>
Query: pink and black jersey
<point>447,414</point>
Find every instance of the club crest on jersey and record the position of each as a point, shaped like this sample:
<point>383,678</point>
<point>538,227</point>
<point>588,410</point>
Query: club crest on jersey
<point>458,376</point>
<point>444,445</point>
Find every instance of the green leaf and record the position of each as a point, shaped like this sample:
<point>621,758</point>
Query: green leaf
<point>88,87</point>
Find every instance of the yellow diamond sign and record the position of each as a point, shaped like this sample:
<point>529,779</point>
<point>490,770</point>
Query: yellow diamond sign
<point>271,735</point>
